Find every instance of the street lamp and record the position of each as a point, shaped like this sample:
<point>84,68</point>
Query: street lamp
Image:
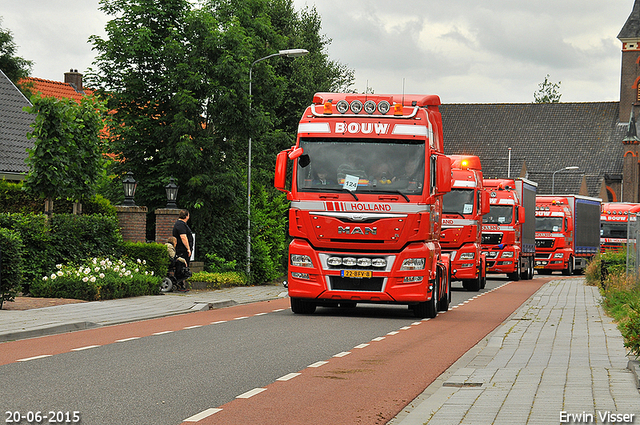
<point>129,184</point>
<point>172,193</point>
<point>553,177</point>
<point>291,53</point>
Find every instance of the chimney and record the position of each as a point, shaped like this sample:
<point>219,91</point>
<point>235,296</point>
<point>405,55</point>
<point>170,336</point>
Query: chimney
<point>74,78</point>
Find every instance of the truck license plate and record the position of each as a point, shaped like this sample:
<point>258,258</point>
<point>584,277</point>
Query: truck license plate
<point>356,273</point>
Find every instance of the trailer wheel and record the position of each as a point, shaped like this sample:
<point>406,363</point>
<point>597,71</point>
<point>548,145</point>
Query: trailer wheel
<point>299,306</point>
<point>427,309</point>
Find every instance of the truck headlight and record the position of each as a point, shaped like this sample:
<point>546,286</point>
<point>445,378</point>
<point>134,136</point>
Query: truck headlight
<point>508,254</point>
<point>413,264</point>
<point>301,260</point>
<point>558,255</point>
<point>467,256</point>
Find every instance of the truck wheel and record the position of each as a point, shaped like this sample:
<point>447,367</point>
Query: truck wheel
<point>299,306</point>
<point>427,309</point>
<point>443,303</point>
<point>569,270</point>
<point>515,276</point>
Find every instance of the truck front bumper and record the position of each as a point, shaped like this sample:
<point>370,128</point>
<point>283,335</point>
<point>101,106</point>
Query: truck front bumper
<point>389,284</point>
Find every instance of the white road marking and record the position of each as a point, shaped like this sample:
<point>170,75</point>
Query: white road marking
<point>200,416</point>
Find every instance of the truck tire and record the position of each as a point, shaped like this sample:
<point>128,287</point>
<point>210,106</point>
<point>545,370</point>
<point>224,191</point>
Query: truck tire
<point>427,309</point>
<point>515,276</point>
<point>299,306</point>
<point>569,270</point>
<point>443,302</point>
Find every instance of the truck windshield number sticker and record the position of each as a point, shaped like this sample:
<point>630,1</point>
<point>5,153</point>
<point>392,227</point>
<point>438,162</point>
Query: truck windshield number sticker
<point>356,273</point>
<point>350,182</point>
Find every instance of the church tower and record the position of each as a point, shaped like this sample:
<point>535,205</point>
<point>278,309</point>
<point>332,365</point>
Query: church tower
<point>629,101</point>
<point>629,82</point>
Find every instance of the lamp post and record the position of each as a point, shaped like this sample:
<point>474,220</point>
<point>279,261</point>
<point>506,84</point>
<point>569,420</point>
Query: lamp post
<point>291,53</point>
<point>129,184</point>
<point>553,177</point>
<point>172,193</point>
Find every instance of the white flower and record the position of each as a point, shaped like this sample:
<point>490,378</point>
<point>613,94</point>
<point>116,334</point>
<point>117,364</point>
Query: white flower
<point>93,279</point>
<point>94,261</point>
<point>139,261</point>
<point>85,279</point>
<point>58,266</point>
<point>116,269</point>
<point>45,278</point>
<point>103,262</point>
<point>137,270</point>
<point>53,276</point>
<point>127,273</point>
<point>87,270</point>
<point>152,273</point>
<point>60,273</point>
<point>101,275</point>
<point>97,269</point>
<point>144,261</point>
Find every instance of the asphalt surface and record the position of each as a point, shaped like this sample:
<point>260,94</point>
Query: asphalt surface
<point>557,359</point>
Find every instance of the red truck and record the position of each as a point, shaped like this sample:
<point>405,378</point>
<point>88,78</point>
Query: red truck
<point>567,232</point>
<point>462,211</point>
<point>615,219</point>
<point>508,230</point>
<point>366,193</point>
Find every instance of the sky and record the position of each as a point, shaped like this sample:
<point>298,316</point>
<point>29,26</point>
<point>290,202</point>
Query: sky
<point>465,51</point>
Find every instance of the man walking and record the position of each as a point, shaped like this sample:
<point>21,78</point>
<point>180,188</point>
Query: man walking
<point>182,233</point>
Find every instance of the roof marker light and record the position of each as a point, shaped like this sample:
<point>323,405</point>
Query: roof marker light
<point>328,109</point>
<point>397,109</point>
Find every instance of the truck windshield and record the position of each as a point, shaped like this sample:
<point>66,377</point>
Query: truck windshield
<point>613,230</point>
<point>549,224</point>
<point>375,166</point>
<point>499,214</point>
<point>458,201</point>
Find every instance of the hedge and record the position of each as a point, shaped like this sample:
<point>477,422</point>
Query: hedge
<point>11,262</point>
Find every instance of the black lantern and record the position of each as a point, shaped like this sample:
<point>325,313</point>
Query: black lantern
<point>172,194</point>
<point>129,185</point>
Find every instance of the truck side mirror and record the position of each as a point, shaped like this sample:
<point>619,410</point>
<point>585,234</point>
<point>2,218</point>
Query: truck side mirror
<point>443,174</point>
<point>281,171</point>
<point>486,204</point>
<point>521,215</point>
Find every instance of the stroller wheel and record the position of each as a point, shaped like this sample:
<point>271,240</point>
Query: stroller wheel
<point>166,285</point>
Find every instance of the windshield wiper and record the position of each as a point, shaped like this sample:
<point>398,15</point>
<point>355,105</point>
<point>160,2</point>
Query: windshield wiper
<point>453,212</point>
<point>332,189</point>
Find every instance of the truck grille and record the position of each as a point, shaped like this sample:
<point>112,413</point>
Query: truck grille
<point>544,243</point>
<point>339,283</point>
<point>491,238</point>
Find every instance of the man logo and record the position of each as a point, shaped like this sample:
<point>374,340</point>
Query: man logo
<point>357,230</point>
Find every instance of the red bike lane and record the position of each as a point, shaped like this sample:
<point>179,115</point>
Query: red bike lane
<point>372,382</point>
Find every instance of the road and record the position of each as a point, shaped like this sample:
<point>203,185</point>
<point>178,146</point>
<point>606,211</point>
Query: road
<point>344,366</point>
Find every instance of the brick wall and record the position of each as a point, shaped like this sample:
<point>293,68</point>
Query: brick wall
<point>133,223</point>
<point>165,219</point>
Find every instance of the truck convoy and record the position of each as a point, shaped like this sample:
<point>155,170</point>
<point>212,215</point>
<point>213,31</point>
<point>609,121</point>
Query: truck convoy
<point>366,193</point>
<point>508,230</point>
<point>614,221</point>
<point>462,212</point>
<point>567,232</point>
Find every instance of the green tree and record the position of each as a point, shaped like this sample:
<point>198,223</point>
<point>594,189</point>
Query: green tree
<point>177,78</point>
<point>66,160</point>
<point>548,92</point>
<point>14,67</point>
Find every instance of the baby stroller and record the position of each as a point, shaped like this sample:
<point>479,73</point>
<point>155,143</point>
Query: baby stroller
<point>177,274</point>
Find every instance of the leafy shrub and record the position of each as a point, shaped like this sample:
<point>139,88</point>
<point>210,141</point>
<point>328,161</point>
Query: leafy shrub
<point>10,265</point>
<point>154,254</point>
<point>85,236</point>
<point>98,279</point>
<point>630,329</point>
<point>220,280</point>
<point>614,262</point>
<point>220,265</point>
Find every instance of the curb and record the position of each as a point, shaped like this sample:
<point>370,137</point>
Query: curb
<point>634,367</point>
<point>48,330</point>
<point>83,325</point>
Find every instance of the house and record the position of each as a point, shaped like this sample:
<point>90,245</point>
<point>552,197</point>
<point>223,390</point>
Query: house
<point>15,123</point>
